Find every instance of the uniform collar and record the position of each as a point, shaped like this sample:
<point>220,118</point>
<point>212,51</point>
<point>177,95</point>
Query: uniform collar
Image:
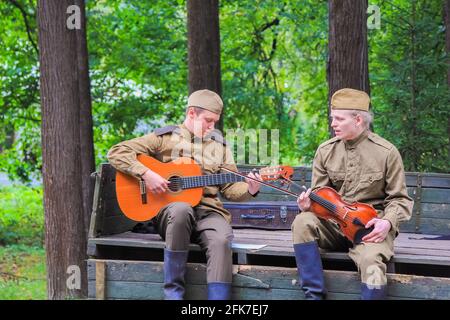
<point>215,135</point>
<point>351,144</point>
<point>186,133</point>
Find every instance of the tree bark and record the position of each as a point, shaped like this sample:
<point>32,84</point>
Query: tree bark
<point>204,47</point>
<point>447,46</point>
<point>65,241</point>
<point>347,45</point>
<point>86,133</point>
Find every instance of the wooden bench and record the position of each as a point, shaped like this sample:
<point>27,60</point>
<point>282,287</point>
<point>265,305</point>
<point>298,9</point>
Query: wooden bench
<point>127,265</point>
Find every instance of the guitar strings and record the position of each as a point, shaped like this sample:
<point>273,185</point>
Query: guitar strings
<point>177,182</point>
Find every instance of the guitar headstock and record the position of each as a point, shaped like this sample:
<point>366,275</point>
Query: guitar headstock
<point>276,173</point>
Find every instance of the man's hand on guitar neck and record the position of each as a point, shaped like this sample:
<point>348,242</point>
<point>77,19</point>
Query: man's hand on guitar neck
<point>154,182</point>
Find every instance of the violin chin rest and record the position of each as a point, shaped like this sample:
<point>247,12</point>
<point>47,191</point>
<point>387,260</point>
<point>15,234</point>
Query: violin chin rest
<point>360,234</point>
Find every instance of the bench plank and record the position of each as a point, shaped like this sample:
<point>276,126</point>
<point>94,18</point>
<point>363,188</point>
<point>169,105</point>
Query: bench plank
<point>415,251</point>
<point>143,280</point>
<point>429,195</point>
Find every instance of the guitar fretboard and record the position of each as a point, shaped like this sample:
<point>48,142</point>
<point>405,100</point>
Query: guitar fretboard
<point>209,180</point>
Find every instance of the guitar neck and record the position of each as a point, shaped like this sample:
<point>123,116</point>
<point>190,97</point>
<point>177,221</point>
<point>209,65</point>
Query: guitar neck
<point>209,180</point>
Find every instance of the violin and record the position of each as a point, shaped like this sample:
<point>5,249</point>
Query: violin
<point>350,217</point>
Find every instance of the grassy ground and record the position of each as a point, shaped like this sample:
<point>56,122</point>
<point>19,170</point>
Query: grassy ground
<point>22,257</point>
<point>22,272</point>
<point>21,216</point>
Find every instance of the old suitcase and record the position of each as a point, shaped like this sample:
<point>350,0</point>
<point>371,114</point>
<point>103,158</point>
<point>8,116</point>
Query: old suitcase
<point>272,215</point>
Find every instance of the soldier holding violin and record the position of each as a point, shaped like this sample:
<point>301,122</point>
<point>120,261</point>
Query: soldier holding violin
<point>359,166</point>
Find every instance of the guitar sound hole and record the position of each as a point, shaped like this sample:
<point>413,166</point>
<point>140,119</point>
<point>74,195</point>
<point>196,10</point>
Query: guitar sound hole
<point>175,184</point>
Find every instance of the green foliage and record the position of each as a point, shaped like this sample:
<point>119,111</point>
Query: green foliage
<point>19,96</point>
<point>138,55</point>
<point>273,61</point>
<point>22,273</point>
<point>21,216</point>
<point>273,72</point>
<point>408,81</point>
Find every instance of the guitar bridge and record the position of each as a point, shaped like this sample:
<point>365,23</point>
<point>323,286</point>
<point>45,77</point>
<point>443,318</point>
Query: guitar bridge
<point>143,190</point>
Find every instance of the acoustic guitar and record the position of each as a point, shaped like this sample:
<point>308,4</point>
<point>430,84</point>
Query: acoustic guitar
<point>186,185</point>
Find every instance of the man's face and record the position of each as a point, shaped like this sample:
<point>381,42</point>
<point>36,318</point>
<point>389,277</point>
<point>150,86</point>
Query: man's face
<point>204,122</point>
<point>345,125</point>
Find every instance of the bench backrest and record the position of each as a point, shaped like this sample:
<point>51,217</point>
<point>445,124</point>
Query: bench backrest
<point>430,191</point>
<point>107,218</point>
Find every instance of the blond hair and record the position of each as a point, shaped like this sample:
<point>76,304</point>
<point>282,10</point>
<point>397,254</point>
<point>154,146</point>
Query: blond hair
<point>367,117</point>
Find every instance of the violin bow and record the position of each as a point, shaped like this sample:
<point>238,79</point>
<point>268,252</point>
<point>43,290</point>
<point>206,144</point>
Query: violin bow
<point>265,183</point>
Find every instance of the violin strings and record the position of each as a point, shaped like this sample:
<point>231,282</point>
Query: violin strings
<point>326,204</point>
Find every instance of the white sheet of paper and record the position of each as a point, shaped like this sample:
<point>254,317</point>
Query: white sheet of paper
<point>248,246</point>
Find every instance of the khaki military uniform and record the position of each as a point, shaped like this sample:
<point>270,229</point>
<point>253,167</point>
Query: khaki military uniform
<point>367,169</point>
<point>208,223</point>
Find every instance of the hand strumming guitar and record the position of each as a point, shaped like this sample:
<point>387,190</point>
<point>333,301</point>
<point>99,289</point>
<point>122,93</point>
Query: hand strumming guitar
<point>154,182</point>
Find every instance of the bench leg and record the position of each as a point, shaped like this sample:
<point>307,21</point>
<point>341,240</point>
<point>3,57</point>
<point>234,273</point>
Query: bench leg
<point>390,267</point>
<point>242,258</point>
<point>100,280</point>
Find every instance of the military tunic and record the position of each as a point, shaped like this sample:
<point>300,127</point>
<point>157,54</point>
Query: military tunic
<point>208,224</point>
<point>368,169</point>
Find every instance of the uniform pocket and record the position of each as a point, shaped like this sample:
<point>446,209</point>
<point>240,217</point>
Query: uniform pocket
<point>371,177</point>
<point>371,185</point>
<point>337,179</point>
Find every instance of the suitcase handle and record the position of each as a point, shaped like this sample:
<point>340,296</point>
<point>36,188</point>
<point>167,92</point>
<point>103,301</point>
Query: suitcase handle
<point>258,216</point>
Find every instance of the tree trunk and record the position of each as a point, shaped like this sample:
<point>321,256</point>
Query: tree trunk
<point>347,44</point>
<point>86,135</point>
<point>411,153</point>
<point>204,47</point>
<point>65,241</point>
<point>447,46</point>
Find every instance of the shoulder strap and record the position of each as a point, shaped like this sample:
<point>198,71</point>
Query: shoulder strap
<point>330,141</point>
<point>164,130</point>
<point>218,137</point>
<point>379,140</point>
